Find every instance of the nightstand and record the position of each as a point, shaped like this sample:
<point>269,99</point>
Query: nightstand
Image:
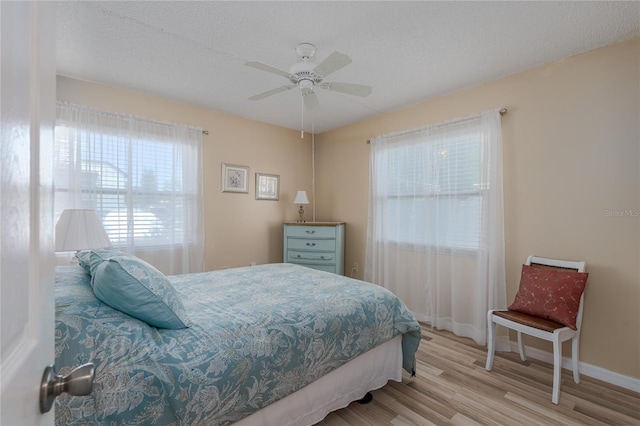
<point>318,245</point>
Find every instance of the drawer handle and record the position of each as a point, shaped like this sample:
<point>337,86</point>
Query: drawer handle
<point>311,244</point>
<point>310,231</point>
<point>298,256</point>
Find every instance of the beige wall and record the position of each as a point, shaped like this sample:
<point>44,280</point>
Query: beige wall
<point>238,228</point>
<point>571,165</point>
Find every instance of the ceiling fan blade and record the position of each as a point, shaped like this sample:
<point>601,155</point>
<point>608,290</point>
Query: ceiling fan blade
<point>270,92</point>
<point>268,68</point>
<point>349,89</point>
<point>311,101</point>
<point>332,63</point>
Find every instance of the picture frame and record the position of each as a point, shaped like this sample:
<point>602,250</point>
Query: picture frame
<point>235,178</point>
<point>267,187</point>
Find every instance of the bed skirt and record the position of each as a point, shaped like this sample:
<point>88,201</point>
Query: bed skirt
<point>350,382</point>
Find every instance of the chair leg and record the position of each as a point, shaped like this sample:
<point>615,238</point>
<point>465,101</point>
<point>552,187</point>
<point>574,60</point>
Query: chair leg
<point>575,344</point>
<point>491,341</point>
<point>557,369</point>
<point>523,354</point>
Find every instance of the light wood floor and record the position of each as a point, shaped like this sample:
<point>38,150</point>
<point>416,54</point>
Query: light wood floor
<point>453,388</point>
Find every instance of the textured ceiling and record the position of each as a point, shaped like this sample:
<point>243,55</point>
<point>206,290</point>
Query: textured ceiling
<point>194,52</point>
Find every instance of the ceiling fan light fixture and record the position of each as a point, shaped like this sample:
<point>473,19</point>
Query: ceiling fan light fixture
<point>306,86</point>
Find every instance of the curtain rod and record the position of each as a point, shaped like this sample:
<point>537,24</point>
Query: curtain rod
<point>121,116</point>
<point>503,111</point>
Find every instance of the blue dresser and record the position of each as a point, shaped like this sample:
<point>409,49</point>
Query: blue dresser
<point>318,245</point>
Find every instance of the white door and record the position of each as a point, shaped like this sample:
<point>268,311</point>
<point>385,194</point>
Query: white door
<point>27,106</point>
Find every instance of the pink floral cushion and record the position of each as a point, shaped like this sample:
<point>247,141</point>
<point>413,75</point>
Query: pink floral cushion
<point>550,293</point>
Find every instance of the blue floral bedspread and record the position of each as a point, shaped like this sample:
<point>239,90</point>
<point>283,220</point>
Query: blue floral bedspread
<point>259,334</point>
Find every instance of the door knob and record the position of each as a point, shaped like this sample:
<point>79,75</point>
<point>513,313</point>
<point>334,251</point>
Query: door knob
<point>78,383</point>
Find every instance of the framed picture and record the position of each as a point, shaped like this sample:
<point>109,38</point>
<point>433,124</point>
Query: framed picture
<point>235,178</point>
<point>267,186</point>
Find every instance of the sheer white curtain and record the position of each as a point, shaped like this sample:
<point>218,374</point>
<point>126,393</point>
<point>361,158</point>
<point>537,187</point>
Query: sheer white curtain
<point>143,177</point>
<point>435,232</point>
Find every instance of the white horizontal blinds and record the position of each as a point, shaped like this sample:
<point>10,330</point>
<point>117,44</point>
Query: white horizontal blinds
<point>129,183</point>
<point>432,185</point>
<point>142,177</point>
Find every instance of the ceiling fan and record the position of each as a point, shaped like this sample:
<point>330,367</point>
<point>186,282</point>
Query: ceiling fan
<point>306,75</point>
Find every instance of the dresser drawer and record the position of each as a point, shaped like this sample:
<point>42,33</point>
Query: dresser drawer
<point>318,245</point>
<point>294,256</point>
<point>311,244</point>
<point>312,231</point>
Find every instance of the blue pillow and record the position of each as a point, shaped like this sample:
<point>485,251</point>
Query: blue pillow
<point>136,288</point>
<point>84,260</point>
<point>90,259</point>
<point>98,256</point>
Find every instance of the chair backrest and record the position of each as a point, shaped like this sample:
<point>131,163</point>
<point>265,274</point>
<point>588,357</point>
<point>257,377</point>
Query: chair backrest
<point>556,263</point>
<point>562,264</point>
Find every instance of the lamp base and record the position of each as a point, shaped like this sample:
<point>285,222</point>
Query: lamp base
<point>301,213</point>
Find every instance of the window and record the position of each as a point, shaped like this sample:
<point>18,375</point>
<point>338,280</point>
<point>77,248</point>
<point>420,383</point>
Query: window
<point>135,185</point>
<point>433,191</point>
<point>143,178</point>
<point>435,235</point>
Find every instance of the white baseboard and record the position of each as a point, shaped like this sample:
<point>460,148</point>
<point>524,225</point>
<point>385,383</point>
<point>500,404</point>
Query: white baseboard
<point>593,371</point>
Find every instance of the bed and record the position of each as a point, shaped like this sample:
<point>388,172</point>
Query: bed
<point>271,344</point>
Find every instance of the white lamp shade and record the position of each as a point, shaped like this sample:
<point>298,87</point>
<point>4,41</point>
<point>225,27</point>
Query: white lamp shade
<point>80,230</point>
<point>301,198</point>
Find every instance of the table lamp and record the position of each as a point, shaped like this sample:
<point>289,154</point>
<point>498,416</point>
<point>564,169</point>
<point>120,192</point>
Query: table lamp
<point>301,198</point>
<point>80,229</point>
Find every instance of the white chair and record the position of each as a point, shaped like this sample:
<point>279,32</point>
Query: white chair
<point>541,328</point>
